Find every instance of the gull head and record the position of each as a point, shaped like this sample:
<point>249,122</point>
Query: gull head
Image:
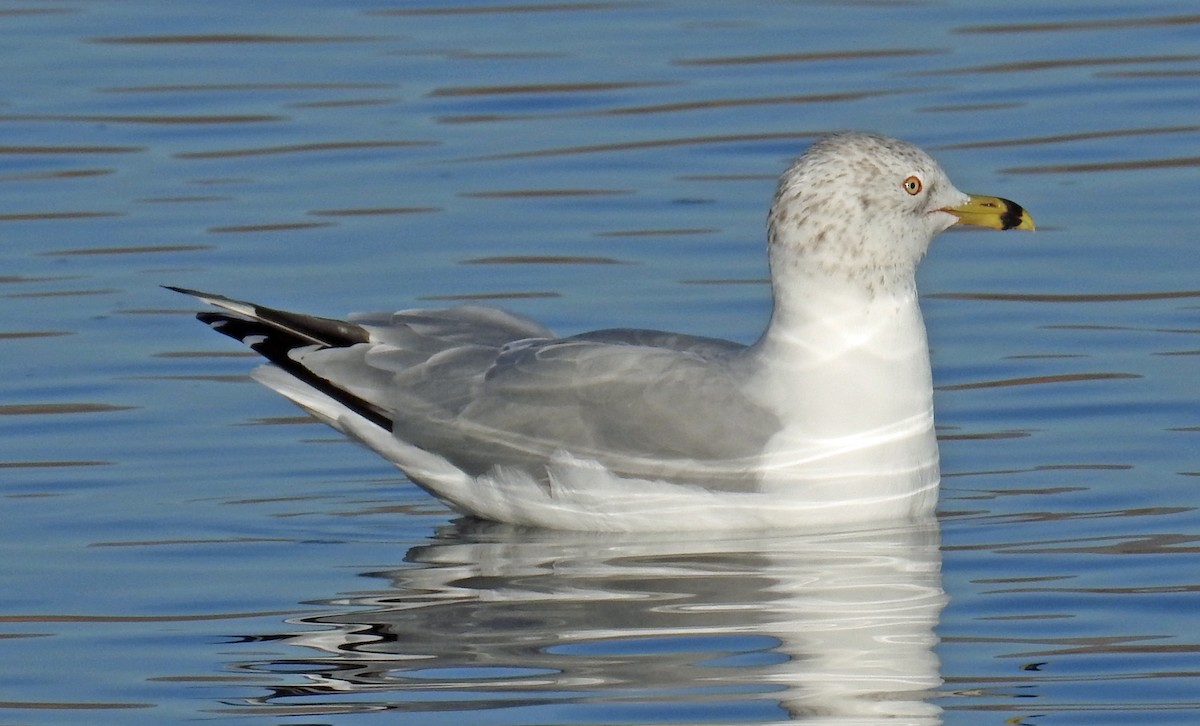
<point>868,206</point>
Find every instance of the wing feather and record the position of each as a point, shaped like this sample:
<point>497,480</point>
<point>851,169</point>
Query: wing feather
<point>485,388</point>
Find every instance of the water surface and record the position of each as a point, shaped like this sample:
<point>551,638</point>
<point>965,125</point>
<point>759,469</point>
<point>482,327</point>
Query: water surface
<point>180,544</point>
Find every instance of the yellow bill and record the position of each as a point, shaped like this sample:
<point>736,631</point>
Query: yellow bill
<point>992,212</point>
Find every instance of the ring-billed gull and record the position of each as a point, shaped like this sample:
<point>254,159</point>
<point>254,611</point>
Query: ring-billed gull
<point>825,421</point>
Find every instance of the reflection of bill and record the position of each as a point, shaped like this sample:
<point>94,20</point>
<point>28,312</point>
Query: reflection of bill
<point>567,626</point>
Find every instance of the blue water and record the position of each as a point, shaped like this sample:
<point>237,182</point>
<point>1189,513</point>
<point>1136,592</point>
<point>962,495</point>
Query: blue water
<point>179,544</point>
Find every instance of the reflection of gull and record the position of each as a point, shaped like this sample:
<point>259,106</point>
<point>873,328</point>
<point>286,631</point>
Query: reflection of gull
<point>827,419</point>
<point>559,627</point>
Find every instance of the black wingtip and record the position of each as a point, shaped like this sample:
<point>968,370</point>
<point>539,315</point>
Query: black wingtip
<point>208,297</point>
<point>183,290</point>
<point>321,331</point>
<point>278,345</point>
<point>232,326</point>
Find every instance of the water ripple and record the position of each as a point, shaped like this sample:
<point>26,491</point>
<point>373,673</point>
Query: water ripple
<point>1075,25</point>
<point>301,149</point>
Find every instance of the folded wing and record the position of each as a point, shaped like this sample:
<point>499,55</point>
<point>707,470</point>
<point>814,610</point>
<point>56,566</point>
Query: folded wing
<point>484,388</point>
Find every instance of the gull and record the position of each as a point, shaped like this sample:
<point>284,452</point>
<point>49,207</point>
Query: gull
<point>825,422</point>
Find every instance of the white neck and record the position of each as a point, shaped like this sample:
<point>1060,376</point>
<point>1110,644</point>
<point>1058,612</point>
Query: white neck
<point>843,344</point>
<point>846,368</point>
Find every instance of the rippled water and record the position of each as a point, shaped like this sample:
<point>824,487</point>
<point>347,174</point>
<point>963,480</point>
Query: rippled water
<point>179,544</point>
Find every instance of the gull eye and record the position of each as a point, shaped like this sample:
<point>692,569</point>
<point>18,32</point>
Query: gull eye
<point>912,185</point>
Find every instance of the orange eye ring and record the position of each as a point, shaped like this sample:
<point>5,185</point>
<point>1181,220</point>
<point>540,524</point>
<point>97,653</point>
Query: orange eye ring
<point>912,185</point>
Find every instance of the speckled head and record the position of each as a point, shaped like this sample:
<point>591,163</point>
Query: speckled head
<point>861,204</point>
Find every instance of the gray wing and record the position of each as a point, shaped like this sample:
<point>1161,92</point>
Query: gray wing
<point>643,403</point>
<point>483,387</point>
<point>430,330</point>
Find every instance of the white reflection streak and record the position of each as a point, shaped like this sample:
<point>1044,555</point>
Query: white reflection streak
<point>852,616</point>
<point>861,629</point>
